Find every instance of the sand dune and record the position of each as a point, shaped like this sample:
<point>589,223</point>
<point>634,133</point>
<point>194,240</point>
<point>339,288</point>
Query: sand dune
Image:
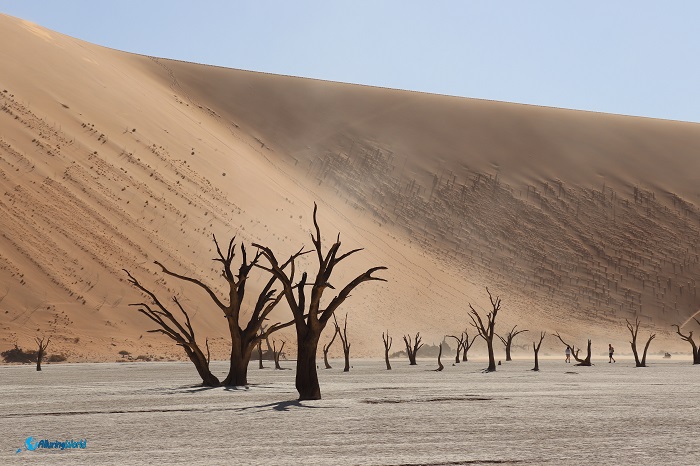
<point>110,160</point>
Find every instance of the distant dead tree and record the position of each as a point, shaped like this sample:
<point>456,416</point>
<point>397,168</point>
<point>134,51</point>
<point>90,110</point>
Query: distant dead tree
<point>344,340</point>
<point>536,348</point>
<point>486,331</point>
<point>328,346</point>
<point>689,339</point>
<point>460,345</point>
<point>244,336</point>
<point>412,348</point>
<point>42,344</point>
<point>440,366</point>
<point>508,340</point>
<point>387,346</point>
<point>575,351</point>
<point>309,318</point>
<point>634,330</point>
<point>467,345</point>
<point>276,354</point>
<point>260,354</point>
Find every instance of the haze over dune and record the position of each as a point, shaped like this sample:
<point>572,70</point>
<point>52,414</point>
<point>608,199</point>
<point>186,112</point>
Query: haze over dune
<point>110,160</point>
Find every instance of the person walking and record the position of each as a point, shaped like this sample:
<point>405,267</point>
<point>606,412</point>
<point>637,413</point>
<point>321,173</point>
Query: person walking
<point>568,355</point>
<point>611,351</point>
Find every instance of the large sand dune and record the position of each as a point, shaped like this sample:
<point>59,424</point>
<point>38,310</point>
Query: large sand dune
<point>110,160</point>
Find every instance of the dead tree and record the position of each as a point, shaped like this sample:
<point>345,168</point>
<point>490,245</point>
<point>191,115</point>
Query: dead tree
<point>689,339</point>
<point>344,341</point>
<point>634,330</point>
<point>508,340</point>
<point>182,335</point>
<point>309,317</point>
<point>328,346</point>
<point>387,346</point>
<point>467,345</point>
<point>575,351</point>
<point>42,344</point>
<point>276,354</point>
<point>412,348</point>
<point>440,366</point>
<point>460,344</point>
<point>260,354</point>
<point>486,331</point>
<point>536,348</point>
<point>244,336</point>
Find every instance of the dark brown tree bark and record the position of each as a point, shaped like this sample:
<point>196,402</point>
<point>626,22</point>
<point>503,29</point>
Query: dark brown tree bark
<point>244,336</point>
<point>387,346</point>
<point>277,354</point>
<point>460,344</point>
<point>574,352</point>
<point>412,348</point>
<point>689,339</point>
<point>310,318</point>
<point>344,340</point>
<point>634,330</point>
<point>536,348</point>
<point>42,344</point>
<point>328,346</point>
<point>508,340</point>
<point>260,356</point>
<point>486,331</point>
<point>440,366</point>
<point>467,346</point>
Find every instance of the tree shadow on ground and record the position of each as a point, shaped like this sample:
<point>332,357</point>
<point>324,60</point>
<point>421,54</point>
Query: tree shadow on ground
<point>282,406</point>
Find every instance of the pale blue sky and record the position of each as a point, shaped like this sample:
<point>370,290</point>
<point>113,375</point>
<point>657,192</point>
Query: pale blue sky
<point>630,57</point>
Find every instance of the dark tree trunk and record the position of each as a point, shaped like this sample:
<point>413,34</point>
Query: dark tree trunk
<point>240,357</point>
<point>260,358</point>
<point>386,359</point>
<point>307,378</point>
<point>587,361</point>
<point>325,359</point>
<point>387,346</point>
<point>39,358</point>
<point>347,359</point>
<point>440,366</point>
<point>328,346</point>
<point>689,339</point>
<point>634,330</point>
<point>537,362</point>
<point>276,354</point>
<point>202,365</point>
<point>536,349</point>
<point>492,358</point>
<point>508,358</point>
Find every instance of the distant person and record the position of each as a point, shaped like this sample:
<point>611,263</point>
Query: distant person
<point>611,351</point>
<point>568,355</point>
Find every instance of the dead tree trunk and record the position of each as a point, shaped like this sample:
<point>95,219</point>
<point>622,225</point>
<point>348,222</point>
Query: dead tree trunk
<point>328,346</point>
<point>344,341</point>
<point>460,344</point>
<point>467,346</point>
<point>244,336</point>
<point>536,348</point>
<point>508,340</point>
<point>42,344</point>
<point>634,330</point>
<point>412,348</point>
<point>486,331</point>
<point>310,322</point>
<point>260,358</point>
<point>440,366</point>
<point>387,346</point>
<point>575,351</point>
<point>689,339</point>
<point>276,354</point>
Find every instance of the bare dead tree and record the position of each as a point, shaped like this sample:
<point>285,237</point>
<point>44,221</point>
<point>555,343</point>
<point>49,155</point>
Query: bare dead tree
<point>344,341</point>
<point>244,336</point>
<point>276,354</point>
<point>634,330</point>
<point>42,344</point>
<point>309,317</point>
<point>460,344</point>
<point>536,348</point>
<point>689,339</point>
<point>182,335</point>
<point>440,366</point>
<point>260,354</point>
<point>328,346</point>
<point>508,340</point>
<point>387,346</point>
<point>467,345</point>
<point>574,352</point>
<point>412,348</point>
<point>486,331</point>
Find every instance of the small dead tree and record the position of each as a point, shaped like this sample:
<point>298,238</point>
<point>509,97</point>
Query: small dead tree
<point>260,354</point>
<point>276,354</point>
<point>328,346</point>
<point>412,348</point>
<point>486,331</point>
<point>387,346</point>
<point>440,366</point>
<point>309,317</point>
<point>344,340</point>
<point>508,340</point>
<point>634,330</point>
<point>689,339</point>
<point>536,348</point>
<point>460,345</point>
<point>467,345</point>
<point>42,344</point>
<point>574,352</point>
